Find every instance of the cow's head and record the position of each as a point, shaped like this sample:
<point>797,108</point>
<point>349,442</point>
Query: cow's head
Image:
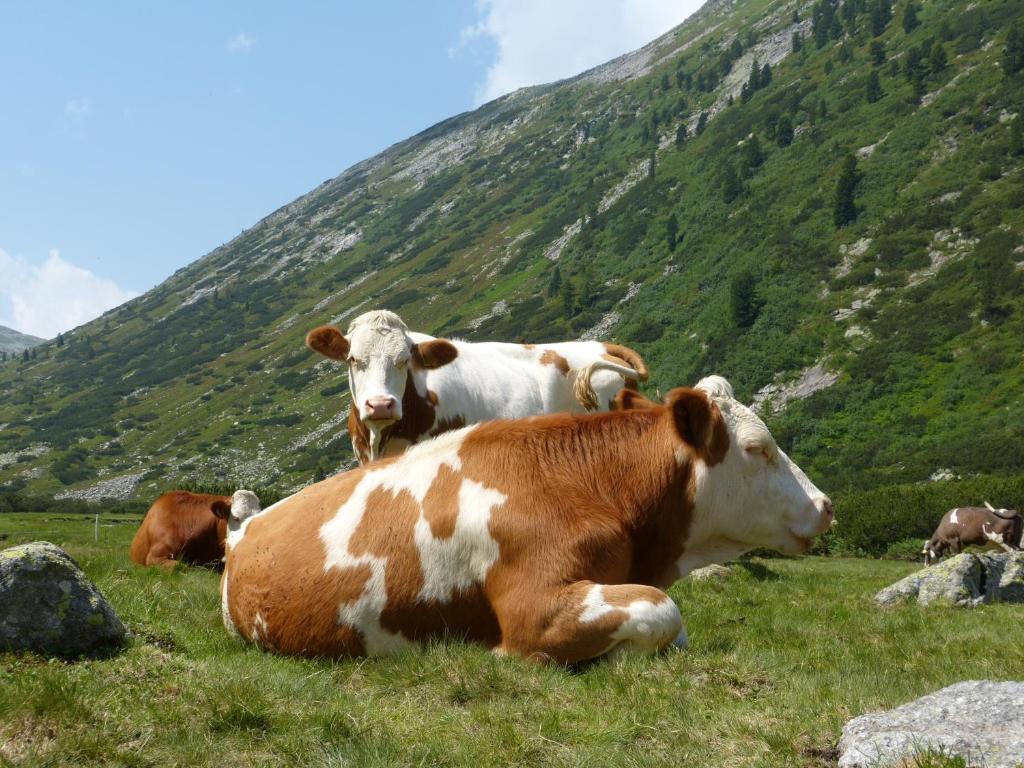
<point>380,353</point>
<point>746,488</point>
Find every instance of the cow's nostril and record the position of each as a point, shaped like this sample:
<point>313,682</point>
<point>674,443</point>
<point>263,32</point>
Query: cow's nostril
<point>826,508</point>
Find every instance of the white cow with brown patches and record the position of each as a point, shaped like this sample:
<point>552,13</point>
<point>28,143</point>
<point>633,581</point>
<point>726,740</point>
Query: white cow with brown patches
<point>981,526</point>
<point>408,386</point>
<point>551,537</point>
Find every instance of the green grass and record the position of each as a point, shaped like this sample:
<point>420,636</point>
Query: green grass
<point>782,654</point>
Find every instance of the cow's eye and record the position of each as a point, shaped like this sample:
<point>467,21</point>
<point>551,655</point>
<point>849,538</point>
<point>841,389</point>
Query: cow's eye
<point>402,363</point>
<point>758,451</point>
<point>357,364</point>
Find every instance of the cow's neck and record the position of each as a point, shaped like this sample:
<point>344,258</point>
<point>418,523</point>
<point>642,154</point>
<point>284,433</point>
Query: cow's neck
<point>654,493</point>
<point>626,468</point>
<point>376,432</point>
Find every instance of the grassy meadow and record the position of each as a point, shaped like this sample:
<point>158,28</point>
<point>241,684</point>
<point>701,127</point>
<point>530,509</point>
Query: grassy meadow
<point>782,654</point>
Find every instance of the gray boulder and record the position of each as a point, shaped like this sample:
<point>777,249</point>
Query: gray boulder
<point>713,572</point>
<point>978,720</point>
<point>966,580</point>
<point>47,605</point>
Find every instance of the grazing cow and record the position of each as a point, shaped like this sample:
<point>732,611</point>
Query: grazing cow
<point>407,386</point>
<point>963,526</point>
<point>182,526</point>
<point>550,537</point>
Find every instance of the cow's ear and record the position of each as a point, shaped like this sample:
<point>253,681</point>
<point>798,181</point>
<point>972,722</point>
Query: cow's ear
<point>221,509</point>
<point>434,353</point>
<point>699,423</point>
<point>329,342</point>
<point>631,400</point>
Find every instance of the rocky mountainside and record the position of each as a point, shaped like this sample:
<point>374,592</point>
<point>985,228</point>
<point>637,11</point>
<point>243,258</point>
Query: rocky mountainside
<point>13,343</point>
<point>822,201</point>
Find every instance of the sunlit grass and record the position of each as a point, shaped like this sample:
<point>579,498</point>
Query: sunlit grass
<point>782,654</point>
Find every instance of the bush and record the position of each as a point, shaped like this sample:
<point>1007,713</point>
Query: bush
<point>906,549</point>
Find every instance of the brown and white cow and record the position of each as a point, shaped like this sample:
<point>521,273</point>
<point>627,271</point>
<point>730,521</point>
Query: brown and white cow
<point>183,527</point>
<point>550,537</point>
<point>981,526</point>
<point>408,386</point>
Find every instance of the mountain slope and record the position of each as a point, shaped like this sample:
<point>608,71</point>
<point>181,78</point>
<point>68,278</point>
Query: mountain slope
<point>14,342</point>
<point>883,336</point>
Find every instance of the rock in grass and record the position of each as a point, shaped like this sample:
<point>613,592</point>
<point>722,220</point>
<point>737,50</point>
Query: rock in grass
<point>965,580</point>
<point>47,605</point>
<point>712,572</point>
<point>980,721</point>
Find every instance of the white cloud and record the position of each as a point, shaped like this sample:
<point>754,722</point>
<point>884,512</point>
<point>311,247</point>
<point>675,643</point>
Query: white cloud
<point>240,43</point>
<point>78,109</point>
<point>54,296</point>
<point>539,41</point>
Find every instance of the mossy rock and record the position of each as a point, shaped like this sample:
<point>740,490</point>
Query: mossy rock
<point>965,580</point>
<point>48,606</point>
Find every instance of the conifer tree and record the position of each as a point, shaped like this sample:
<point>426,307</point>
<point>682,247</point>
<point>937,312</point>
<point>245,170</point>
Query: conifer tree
<point>937,58</point>
<point>753,155</point>
<point>797,42</point>
<point>555,283</point>
<point>671,232</point>
<point>744,303</point>
<point>1013,51</point>
<point>681,135</point>
<point>754,81</point>
<point>731,185</point>
<point>845,209</point>
<point>568,298</point>
<point>766,75</point>
<point>60,340</point>
<point>881,15</point>
<point>784,131</point>
<point>877,53</point>
<point>918,86</point>
<point>702,123</point>
<point>874,87</point>
<point>910,20</point>
<point>1017,136</point>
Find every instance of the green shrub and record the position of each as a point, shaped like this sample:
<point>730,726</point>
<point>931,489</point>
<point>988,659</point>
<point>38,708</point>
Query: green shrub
<point>906,549</point>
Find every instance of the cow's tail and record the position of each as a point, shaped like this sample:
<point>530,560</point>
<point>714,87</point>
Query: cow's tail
<point>631,357</point>
<point>1004,513</point>
<point>583,388</point>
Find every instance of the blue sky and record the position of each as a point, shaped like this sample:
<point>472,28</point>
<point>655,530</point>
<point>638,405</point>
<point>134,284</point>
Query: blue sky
<point>139,136</point>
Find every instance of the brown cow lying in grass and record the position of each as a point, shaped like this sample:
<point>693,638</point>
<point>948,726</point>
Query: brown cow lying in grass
<point>550,537</point>
<point>981,526</point>
<point>185,527</point>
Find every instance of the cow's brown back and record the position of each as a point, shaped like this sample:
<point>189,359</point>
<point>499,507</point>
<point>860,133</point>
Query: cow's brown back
<point>180,527</point>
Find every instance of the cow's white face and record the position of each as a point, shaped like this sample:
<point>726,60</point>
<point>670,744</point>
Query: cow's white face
<point>756,492</point>
<point>378,362</point>
<point>379,351</point>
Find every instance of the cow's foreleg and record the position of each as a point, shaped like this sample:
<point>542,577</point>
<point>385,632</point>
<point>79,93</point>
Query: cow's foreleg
<point>585,620</point>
